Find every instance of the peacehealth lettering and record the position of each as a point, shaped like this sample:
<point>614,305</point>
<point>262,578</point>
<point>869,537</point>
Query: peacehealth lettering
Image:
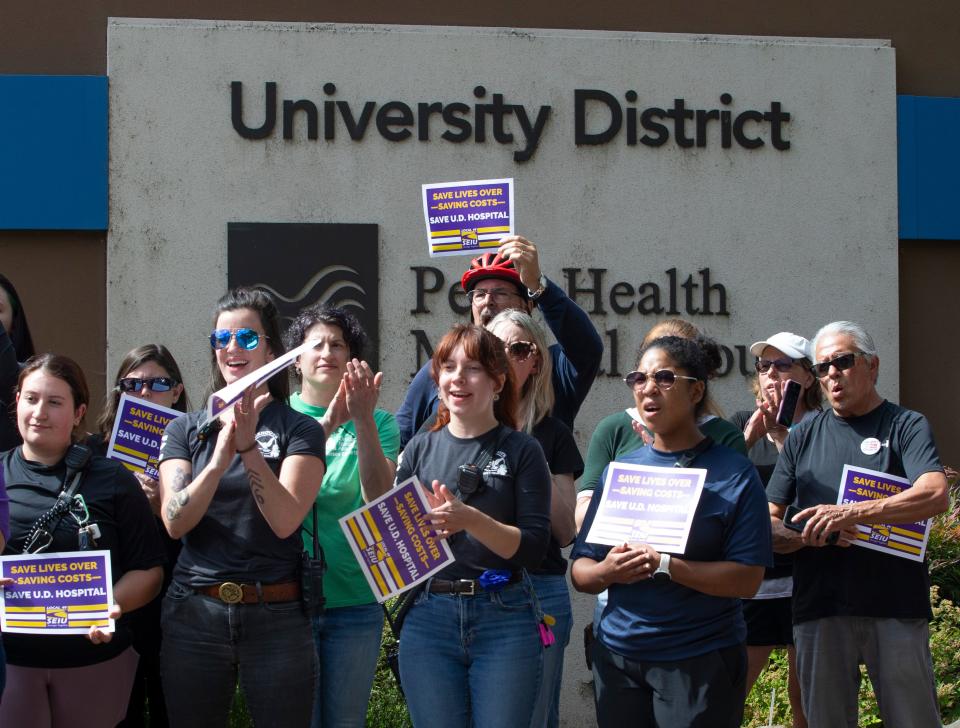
<point>599,118</point>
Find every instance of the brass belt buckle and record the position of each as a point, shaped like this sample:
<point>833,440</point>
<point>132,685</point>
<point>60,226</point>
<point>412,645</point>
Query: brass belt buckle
<point>230,593</point>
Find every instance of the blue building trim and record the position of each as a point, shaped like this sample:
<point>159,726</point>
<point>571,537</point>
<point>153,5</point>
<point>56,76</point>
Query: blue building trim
<point>53,152</point>
<point>928,156</point>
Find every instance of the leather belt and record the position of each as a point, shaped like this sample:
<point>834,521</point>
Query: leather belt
<point>465,587</point>
<point>233,593</point>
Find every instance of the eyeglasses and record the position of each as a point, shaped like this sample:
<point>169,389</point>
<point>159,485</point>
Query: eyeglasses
<point>246,338</point>
<point>781,365</point>
<point>155,384</point>
<point>521,350</point>
<point>663,379</point>
<point>842,363</point>
<point>499,295</point>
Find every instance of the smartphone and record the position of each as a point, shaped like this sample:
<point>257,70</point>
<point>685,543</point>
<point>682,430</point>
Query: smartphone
<point>798,526</point>
<point>790,396</point>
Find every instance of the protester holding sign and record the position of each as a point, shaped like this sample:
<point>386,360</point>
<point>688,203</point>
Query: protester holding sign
<point>853,604</point>
<point>511,278</point>
<point>471,647</point>
<point>237,498</point>
<point>669,646</point>
<point>622,432</point>
<point>73,680</point>
<point>779,359</point>
<point>340,391</point>
<point>150,373</point>
<point>525,344</point>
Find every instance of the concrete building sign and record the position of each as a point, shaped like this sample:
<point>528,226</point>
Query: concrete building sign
<point>748,184</point>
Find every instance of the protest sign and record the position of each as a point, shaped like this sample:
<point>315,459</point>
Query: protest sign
<point>223,398</point>
<point>906,540</point>
<point>647,504</point>
<point>466,218</point>
<point>59,593</point>
<point>137,430</point>
<point>393,540</point>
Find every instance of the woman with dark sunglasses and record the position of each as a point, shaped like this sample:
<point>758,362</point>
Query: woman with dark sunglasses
<point>72,680</point>
<point>525,344</point>
<point>623,431</point>
<point>151,373</point>
<point>669,646</point>
<point>236,497</point>
<point>471,649</point>
<point>782,357</point>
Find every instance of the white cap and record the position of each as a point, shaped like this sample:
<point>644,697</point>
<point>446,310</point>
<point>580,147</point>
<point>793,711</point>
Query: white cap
<point>796,347</point>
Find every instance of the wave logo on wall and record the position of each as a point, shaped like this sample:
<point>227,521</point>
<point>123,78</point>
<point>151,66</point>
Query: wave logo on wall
<point>300,264</point>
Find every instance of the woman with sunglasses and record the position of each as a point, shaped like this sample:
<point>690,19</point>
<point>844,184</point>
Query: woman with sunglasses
<point>73,680</point>
<point>340,391</point>
<point>16,345</point>
<point>471,650</point>
<point>780,358</point>
<point>669,644</point>
<point>623,431</point>
<point>236,497</point>
<point>525,344</point>
<point>150,373</point>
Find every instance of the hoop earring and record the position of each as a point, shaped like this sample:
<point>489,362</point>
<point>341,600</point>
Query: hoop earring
<point>496,397</point>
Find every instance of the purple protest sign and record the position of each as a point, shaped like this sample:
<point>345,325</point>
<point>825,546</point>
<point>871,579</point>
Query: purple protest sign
<point>906,540</point>
<point>137,431</point>
<point>60,593</point>
<point>466,218</point>
<point>393,542</point>
<point>647,504</point>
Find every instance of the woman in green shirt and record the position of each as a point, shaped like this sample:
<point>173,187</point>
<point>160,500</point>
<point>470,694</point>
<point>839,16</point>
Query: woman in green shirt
<point>340,391</point>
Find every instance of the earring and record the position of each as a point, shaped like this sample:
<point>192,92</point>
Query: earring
<point>496,397</point>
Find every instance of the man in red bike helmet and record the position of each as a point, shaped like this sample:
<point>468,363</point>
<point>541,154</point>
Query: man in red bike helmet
<point>510,277</point>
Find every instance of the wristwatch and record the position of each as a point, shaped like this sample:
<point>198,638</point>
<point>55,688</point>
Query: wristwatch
<point>534,295</point>
<point>663,571</point>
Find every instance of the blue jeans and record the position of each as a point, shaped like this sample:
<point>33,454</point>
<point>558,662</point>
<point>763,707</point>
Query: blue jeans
<point>472,661</point>
<point>348,644</point>
<point>554,599</point>
<point>208,645</point>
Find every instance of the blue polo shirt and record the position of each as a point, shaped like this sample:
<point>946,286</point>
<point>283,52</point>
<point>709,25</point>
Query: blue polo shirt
<point>665,621</point>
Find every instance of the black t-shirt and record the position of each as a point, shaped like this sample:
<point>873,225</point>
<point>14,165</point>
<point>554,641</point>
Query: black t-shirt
<point>233,541</point>
<point>563,456</point>
<point>854,581</point>
<point>516,492</point>
<point>764,455</point>
<point>127,529</point>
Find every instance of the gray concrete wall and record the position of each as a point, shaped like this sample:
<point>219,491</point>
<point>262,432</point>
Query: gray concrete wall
<point>796,237</point>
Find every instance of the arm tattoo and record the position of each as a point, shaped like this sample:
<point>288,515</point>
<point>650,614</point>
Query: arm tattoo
<point>256,485</point>
<point>176,503</point>
<point>180,480</point>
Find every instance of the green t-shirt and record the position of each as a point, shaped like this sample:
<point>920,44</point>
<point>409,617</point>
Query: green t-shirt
<point>614,436</point>
<point>344,584</point>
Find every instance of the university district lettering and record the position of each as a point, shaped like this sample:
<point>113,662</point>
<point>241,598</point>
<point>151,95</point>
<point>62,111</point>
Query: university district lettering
<point>599,118</point>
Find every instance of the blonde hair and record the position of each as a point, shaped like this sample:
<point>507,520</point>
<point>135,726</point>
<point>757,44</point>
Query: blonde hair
<point>536,397</point>
<point>685,330</point>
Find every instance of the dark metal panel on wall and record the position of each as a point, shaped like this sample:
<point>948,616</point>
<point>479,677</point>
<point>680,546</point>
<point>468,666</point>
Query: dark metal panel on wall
<point>61,277</point>
<point>305,263</point>
<point>929,340</point>
<point>51,36</point>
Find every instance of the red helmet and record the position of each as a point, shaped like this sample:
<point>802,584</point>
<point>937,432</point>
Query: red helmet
<point>491,265</point>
